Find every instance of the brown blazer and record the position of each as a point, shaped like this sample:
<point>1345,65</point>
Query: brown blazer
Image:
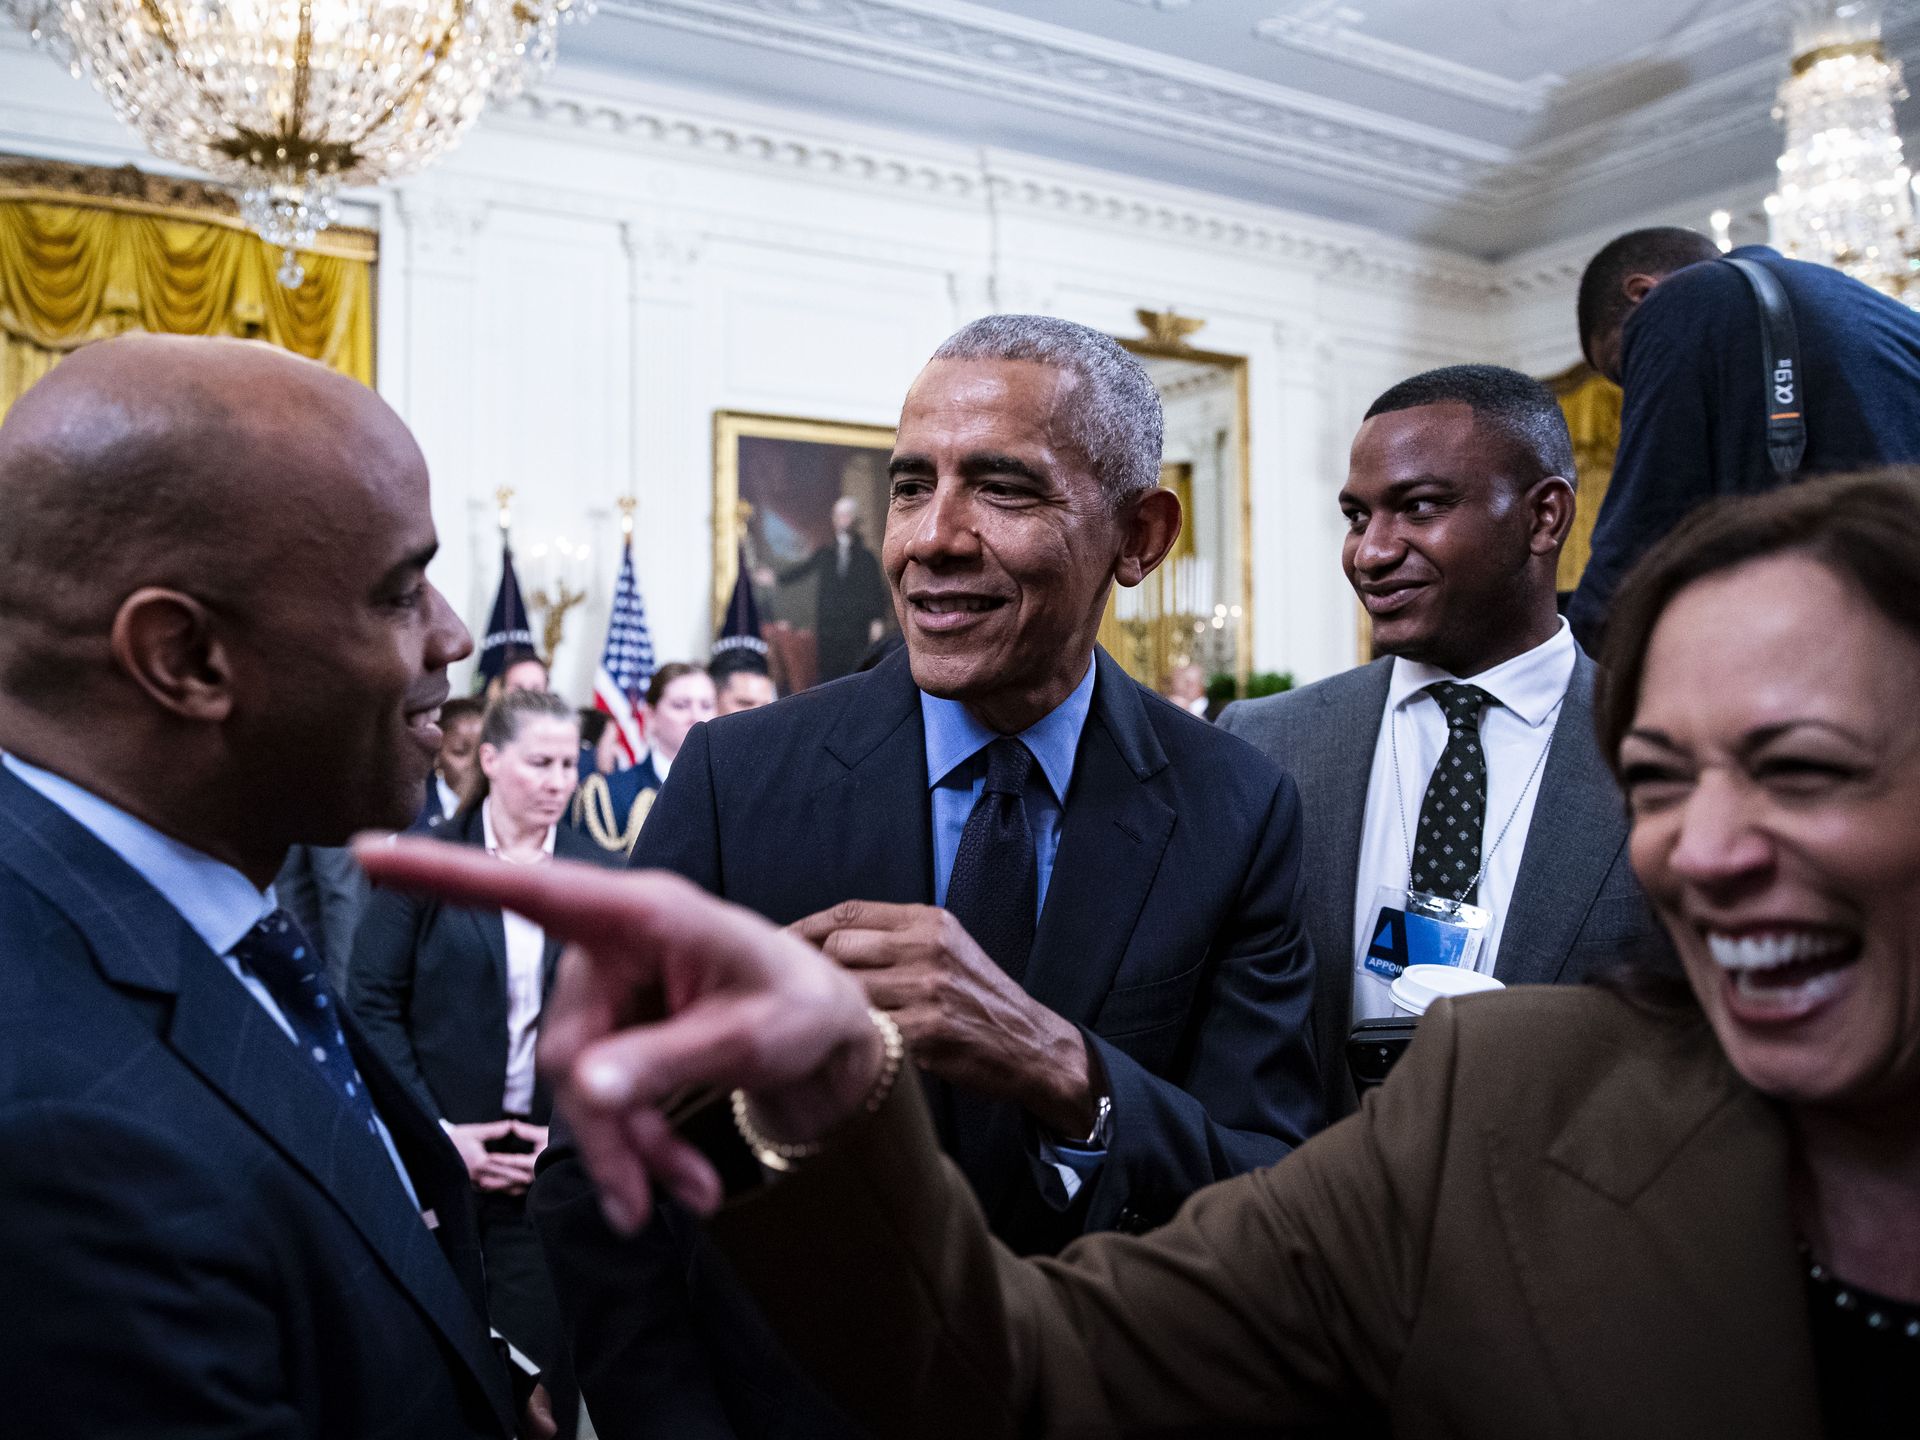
<point>1561,1217</point>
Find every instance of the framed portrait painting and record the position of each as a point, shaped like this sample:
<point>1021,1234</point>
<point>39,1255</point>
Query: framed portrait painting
<point>802,503</point>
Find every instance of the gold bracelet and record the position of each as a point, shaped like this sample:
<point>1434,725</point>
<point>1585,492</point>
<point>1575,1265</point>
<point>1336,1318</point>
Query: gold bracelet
<point>779,1155</point>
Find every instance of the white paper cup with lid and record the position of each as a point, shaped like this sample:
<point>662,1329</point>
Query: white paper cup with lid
<point>1418,986</point>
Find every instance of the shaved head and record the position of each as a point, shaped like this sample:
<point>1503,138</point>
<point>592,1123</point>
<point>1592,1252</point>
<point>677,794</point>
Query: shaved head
<point>156,460</point>
<point>217,550</point>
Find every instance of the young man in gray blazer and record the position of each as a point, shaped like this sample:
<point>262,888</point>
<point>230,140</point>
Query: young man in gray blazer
<point>1462,763</point>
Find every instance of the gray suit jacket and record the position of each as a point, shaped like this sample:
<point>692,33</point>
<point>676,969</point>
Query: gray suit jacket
<point>324,890</point>
<point>1576,906</point>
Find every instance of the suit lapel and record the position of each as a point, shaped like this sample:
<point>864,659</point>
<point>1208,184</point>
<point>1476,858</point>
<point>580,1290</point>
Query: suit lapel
<point>227,1038</point>
<point>1579,826</point>
<point>1677,1214</point>
<point>869,824</point>
<point>1113,833</point>
<point>1332,768</point>
<point>489,929</point>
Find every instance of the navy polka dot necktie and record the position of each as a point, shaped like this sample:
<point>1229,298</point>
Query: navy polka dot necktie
<point>278,954</point>
<point>1446,846</point>
<point>995,885</point>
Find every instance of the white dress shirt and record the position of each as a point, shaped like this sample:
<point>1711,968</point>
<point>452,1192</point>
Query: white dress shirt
<point>219,904</point>
<point>526,945</point>
<point>1514,733</point>
<point>449,797</point>
<point>661,764</point>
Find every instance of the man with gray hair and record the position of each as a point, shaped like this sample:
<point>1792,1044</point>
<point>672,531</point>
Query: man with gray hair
<point>1079,903</point>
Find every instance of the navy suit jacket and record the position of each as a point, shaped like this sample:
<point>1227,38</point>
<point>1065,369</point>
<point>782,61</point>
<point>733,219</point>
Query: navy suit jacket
<point>1171,934</point>
<point>1694,427</point>
<point>198,1244</point>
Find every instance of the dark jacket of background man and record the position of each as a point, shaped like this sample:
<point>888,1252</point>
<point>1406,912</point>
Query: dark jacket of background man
<point>1694,422</point>
<point>1171,934</point>
<point>323,889</point>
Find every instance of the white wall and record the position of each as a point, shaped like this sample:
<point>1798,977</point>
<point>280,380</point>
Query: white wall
<point>568,298</point>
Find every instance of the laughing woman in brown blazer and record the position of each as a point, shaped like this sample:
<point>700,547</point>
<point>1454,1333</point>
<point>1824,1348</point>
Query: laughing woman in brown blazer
<point>1593,1212</point>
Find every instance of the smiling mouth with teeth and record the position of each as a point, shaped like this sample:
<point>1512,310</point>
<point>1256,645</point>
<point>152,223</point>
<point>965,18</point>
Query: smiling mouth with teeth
<point>1788,969</point>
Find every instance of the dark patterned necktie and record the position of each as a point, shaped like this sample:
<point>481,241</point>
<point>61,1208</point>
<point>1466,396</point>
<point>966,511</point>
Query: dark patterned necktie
<point>995,885</point>
<point>278,954</point>
<point>1446,846</point>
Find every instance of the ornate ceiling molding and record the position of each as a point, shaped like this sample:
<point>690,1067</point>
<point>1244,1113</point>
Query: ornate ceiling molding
<point>1041,66</point>
<point>1083,196</point>
<point>1331,30</point>
<point>959,46</point>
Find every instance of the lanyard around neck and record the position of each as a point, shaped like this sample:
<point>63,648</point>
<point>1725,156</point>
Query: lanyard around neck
<point>1486,855</point>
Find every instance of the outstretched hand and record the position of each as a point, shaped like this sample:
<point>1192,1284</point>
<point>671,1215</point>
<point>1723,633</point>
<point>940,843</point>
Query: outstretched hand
<point>662,989</point>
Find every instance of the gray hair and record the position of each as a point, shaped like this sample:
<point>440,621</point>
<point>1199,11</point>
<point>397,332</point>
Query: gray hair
<point>1115,420</point>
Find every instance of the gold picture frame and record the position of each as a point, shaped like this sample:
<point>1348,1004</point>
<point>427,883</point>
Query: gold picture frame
<point>1161,645</point>
<point>766,472</point>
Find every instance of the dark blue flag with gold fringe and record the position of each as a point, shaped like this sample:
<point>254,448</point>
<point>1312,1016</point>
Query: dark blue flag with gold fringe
<point>508,637</point>
<point>740,629</point>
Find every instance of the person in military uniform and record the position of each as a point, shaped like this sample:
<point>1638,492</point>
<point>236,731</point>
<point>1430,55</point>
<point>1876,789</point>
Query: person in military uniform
<point>612,808</point>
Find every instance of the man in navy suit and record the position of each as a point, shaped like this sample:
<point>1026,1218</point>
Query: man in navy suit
<point>223,1214</point>
<point>1681,335</point>
<point>1079,902</point>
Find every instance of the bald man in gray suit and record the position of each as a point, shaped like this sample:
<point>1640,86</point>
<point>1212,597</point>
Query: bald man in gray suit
<point>1463,763</point>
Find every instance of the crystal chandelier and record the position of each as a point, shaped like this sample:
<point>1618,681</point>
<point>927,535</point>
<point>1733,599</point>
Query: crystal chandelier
<point>291,99</point>
<point>1846,196</point>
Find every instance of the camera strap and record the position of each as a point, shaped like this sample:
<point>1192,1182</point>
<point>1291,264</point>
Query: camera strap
<point>1781,369</point>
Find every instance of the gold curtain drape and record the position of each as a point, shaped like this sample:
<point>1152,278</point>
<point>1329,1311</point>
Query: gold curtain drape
<point>75,268</point>
<point>1591,403</point>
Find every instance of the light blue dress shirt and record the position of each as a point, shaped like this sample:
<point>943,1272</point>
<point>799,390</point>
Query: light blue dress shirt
<point>219,904</point>
<point>957,773</point>
<point>956,776</point>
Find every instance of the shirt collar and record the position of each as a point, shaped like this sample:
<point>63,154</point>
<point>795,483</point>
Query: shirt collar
<point>954,736</point>
<point>1531,684</point>
<point>219,903</point>
<point>486,829</point>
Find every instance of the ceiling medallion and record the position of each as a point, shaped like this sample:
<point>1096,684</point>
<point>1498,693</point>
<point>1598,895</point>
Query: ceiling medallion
<point>290,99</point>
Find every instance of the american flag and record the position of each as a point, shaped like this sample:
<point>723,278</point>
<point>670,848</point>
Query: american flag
<point>627,663</point>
